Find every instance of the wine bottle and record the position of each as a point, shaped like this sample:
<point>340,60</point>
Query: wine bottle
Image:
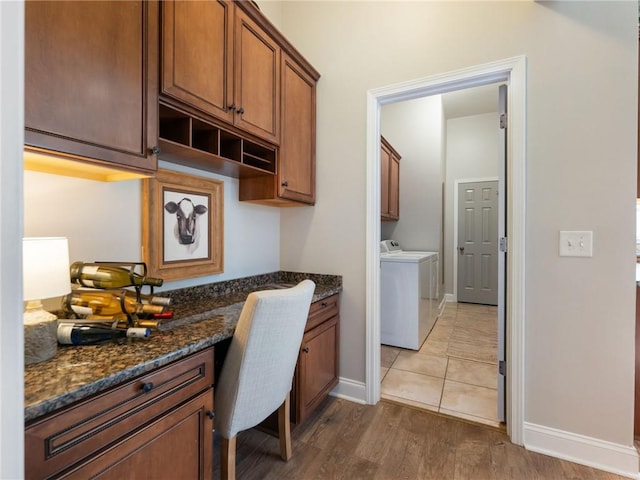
<point>120,321</point>
<point>73,334</point>
<point>108,276</point>
<point>107,303</point>
<point>152,299</point>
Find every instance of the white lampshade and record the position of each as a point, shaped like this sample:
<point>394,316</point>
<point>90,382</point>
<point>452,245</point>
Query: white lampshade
<point>45,267</point>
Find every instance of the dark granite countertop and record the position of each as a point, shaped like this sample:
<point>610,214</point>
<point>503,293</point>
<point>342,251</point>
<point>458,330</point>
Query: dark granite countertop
<point>203,316</point>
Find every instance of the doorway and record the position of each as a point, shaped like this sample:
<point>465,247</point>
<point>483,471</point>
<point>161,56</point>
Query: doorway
<point>511,71</point>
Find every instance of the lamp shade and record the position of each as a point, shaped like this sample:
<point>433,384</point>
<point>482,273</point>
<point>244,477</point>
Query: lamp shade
<point>45,267</point>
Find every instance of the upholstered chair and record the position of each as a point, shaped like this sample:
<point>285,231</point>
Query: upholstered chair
<point>258,370</point>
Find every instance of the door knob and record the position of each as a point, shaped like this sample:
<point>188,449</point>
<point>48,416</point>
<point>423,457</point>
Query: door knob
<point>461,250</point>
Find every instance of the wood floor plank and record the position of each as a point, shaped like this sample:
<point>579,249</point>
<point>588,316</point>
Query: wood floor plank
<point>348,441</point>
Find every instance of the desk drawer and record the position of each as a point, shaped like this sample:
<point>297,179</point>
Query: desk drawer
<point>322,310</point>
<point>61,439</point>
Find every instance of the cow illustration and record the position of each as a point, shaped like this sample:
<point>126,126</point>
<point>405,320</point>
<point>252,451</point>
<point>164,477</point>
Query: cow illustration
<point>186,229</point>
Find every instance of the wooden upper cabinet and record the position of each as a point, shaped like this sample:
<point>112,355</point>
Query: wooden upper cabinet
<point>91,88</point>
<point>257,80</point>
<point>389,181</point>
<point>216,59</point>
<point>297,167</point>
<point>197,59</point>
<point>295,179</point>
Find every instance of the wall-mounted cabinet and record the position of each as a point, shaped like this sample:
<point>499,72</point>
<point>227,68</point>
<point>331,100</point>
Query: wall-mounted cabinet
<point>389,181</point>
<point>219,61</point>
<point>296,174</point>
<point>91,95</point>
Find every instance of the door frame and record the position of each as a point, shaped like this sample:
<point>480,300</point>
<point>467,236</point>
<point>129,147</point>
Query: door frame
<point>510,70</point>
<point>456,185</point>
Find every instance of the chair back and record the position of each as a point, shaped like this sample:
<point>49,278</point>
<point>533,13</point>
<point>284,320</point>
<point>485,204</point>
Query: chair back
<point>259,366</point>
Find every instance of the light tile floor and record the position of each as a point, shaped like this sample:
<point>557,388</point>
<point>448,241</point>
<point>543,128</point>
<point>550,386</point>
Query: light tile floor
<point>455,370</point>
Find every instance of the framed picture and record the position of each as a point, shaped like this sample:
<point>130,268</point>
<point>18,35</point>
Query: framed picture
<point>182,225</point>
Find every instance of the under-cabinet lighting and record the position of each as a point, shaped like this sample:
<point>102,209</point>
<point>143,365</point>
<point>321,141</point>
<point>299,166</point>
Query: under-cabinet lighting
<point>48,163</point>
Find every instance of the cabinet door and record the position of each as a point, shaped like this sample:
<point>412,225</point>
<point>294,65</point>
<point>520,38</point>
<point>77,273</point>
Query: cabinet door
<point>257,80</point>
<point>197,59</point>
<point>394,187</point>
<point>91,80</point>
<point>177,445</point>
<point>297,161</point>
<point>317,366</point>
<point>385,162</point>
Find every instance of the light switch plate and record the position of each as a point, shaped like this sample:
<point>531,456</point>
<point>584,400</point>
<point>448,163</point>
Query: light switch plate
<point>576,243</point>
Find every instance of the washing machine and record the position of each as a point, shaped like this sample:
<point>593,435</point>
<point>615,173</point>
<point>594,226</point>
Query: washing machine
<point>409,282</point>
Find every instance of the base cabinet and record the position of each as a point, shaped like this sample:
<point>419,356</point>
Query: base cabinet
<point>318,363</point>
<point>156,426</point>
<point>154,450</point>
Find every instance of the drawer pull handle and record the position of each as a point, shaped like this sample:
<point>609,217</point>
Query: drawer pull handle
<point>305,349</point>
<point>324,304</point>
<point>211,414</point>
<point>147,387</point>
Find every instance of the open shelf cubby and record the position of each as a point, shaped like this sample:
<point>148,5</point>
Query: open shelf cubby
<point>202,144</point>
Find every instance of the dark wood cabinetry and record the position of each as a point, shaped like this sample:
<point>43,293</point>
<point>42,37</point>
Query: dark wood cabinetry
<point>219,61</point>
<point>318,368</point>
<point>295,179</point>
<point>91,88</point>
<point>389,181</point>
<point>155,426</point>
<point>196,53</point>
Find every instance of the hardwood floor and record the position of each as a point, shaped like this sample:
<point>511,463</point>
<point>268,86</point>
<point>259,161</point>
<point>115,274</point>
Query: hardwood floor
<point>345,440</point>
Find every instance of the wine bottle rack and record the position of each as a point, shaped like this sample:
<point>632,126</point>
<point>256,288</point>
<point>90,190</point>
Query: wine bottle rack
<point>191,141</point>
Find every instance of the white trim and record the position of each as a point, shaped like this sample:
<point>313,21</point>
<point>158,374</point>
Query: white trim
<point>450,297</point>
<point>592,452</point>
<point>456,185</point>
<point>349,390</point>
<point>512,70</point>
<point>11,232</point>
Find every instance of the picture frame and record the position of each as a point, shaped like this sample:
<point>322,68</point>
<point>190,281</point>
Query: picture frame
<point>182,225</point>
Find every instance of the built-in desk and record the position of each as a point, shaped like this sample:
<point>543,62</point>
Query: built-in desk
<point>157,384</point>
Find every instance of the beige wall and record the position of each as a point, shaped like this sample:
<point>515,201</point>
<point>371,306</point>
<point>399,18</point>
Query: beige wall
<point>414,128</point>
<point>472,147</point>
<point>581,170</point>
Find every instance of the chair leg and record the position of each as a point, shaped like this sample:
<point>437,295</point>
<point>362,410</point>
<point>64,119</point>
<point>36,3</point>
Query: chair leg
<point>284,429</point>
<point>228,458</point>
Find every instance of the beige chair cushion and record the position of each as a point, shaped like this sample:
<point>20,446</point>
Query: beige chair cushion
<point>260,363</point>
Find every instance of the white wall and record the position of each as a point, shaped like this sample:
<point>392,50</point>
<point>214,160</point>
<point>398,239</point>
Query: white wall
<point>414,128</point>
<point>103,223</point>
<point>473,151</point>
<point>581,174</point>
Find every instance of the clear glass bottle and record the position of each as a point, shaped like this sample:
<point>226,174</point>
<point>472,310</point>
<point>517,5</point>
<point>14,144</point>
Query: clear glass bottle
<point>108,276</point>
<point>107,303</point>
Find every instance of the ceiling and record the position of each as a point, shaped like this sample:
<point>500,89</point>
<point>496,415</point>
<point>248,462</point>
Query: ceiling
<point>470,101</point>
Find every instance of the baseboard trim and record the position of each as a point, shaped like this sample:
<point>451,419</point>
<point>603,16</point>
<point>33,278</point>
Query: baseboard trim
<point>351,390</point>
<point>450,297</point>
<point>592,452</point>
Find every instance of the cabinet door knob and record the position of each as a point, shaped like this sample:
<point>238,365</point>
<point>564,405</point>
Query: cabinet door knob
<point>211,414</point>
<point>155,150</point>
<point>305,349</point>
<point>147,387</point>
<point>285,184</point>
<point>324,304</point>
<point>232,106</point>
<point>241,110</point>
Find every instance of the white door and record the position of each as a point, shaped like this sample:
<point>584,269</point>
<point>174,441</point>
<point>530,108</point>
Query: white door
<point>478,242</point>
